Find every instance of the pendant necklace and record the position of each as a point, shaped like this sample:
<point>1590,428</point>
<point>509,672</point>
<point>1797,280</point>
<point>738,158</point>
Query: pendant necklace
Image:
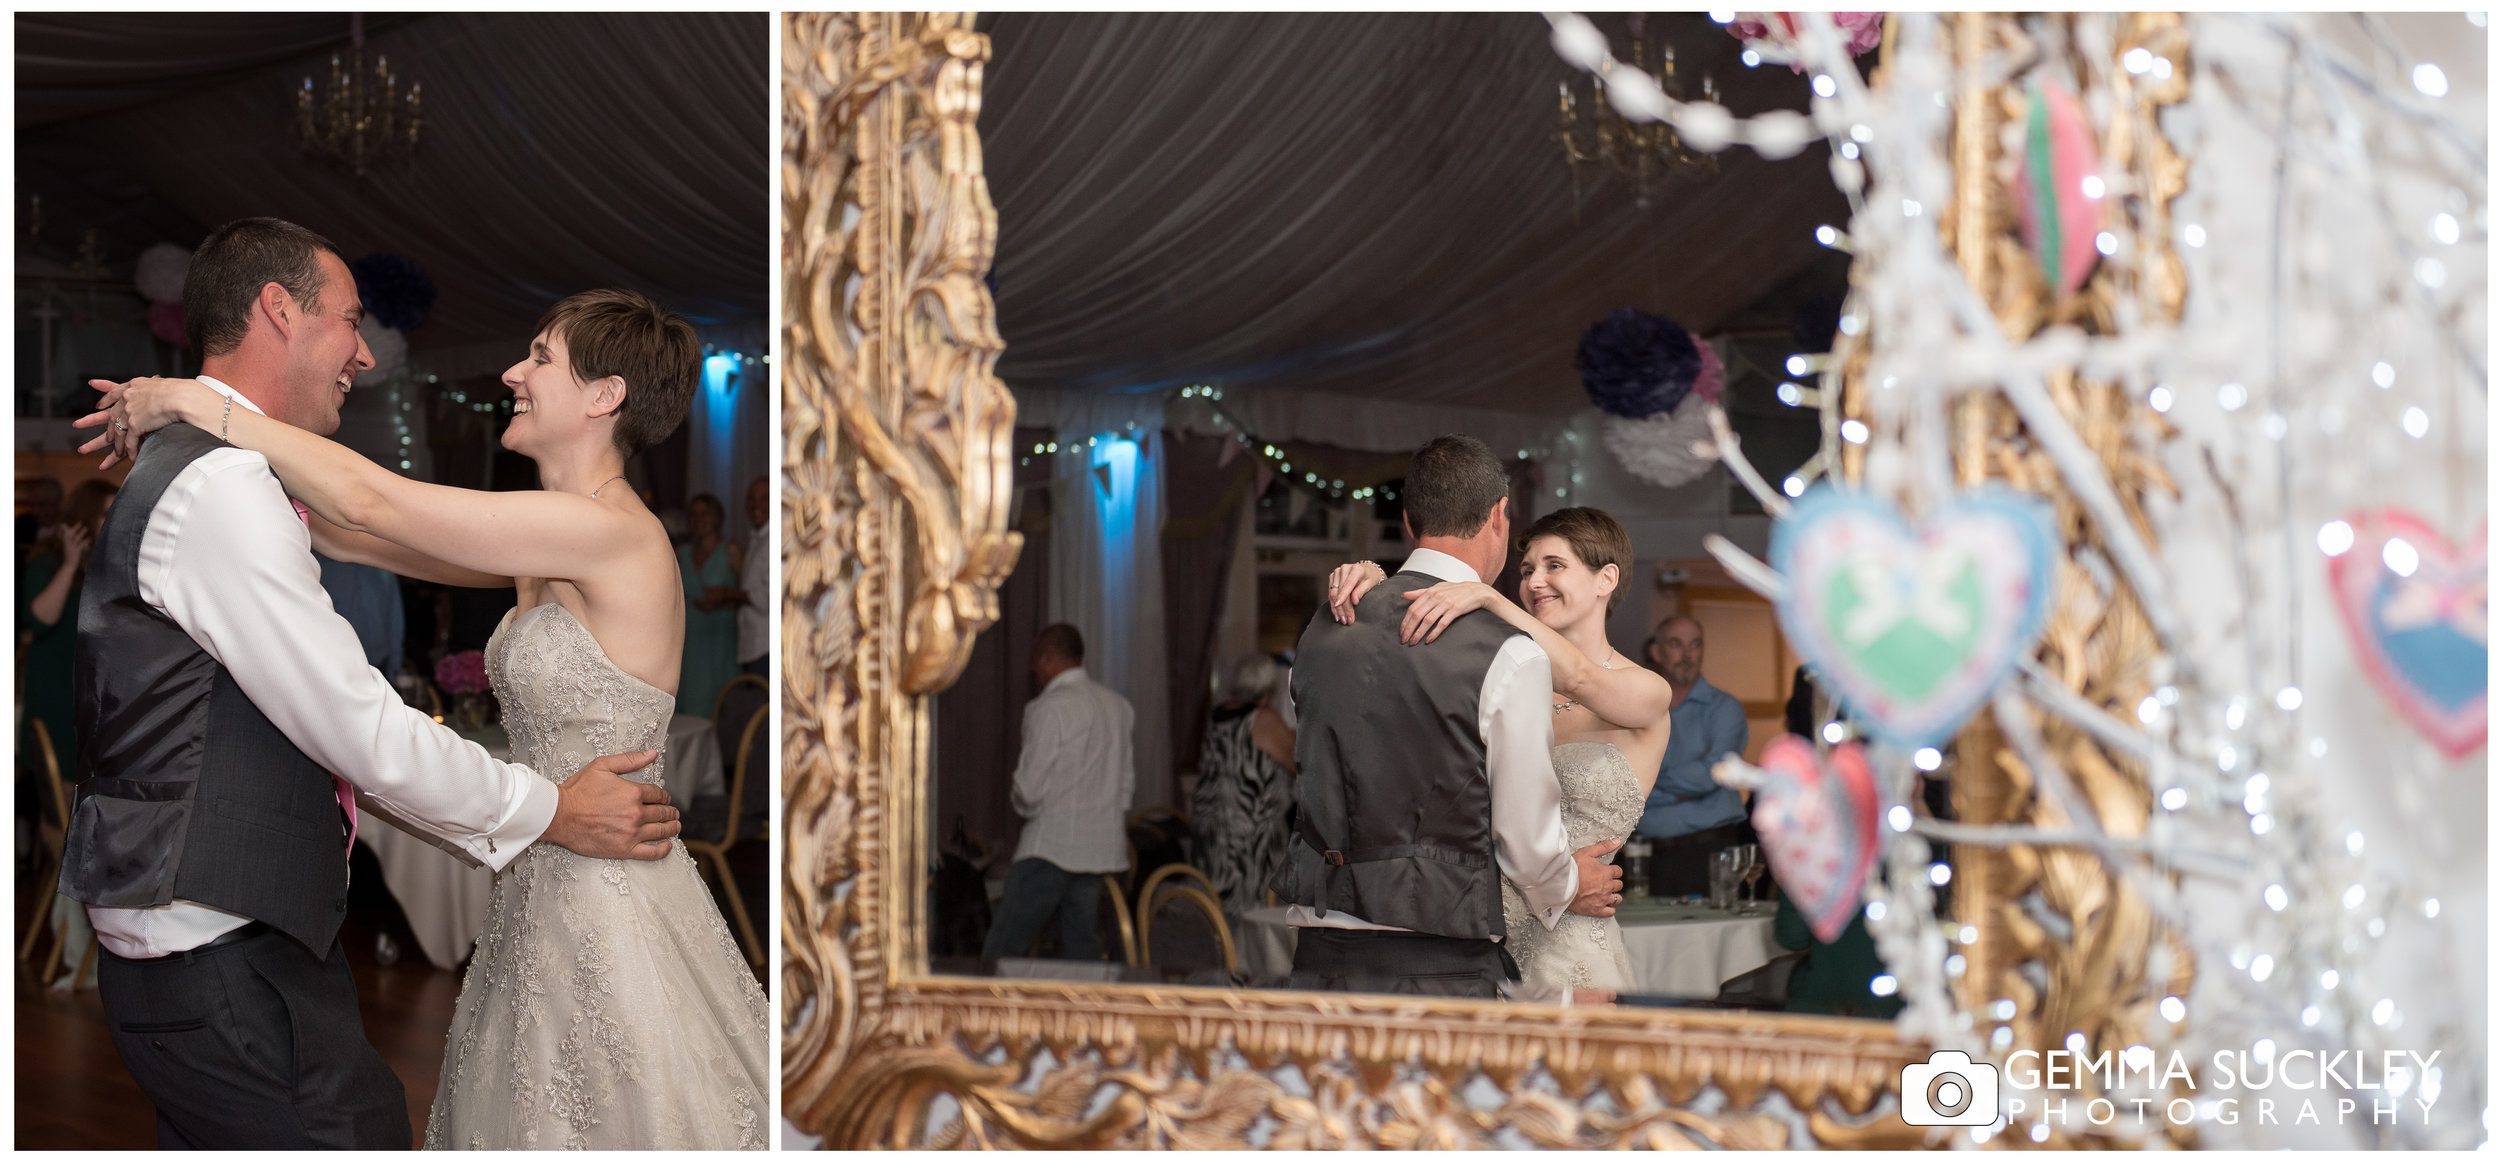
<point>1608,664</point>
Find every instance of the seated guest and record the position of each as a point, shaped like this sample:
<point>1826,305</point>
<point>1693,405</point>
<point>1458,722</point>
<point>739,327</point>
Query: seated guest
<point>1837,978</point>
<point>1245,785</point>
<point>1074,779</point>
<point>1688,814</point>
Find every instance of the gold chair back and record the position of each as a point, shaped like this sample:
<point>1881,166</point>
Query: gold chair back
<point>1206,904</point>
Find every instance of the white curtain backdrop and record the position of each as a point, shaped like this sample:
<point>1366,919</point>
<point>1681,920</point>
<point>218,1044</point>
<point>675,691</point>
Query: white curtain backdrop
<point>1106,572</point>
<point>730,442</point>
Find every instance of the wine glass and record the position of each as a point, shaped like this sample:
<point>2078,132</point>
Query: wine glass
<point>1751,869</point>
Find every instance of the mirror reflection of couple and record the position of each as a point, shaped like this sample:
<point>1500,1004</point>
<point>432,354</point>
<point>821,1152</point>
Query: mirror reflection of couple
<point>230,728</point>
<point>1469,764</point>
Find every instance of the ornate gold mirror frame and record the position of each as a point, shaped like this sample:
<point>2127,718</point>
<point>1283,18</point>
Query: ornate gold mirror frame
<point>895,540</point>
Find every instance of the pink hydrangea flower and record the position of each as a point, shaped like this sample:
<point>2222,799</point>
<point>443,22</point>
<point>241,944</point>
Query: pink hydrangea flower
<point>462,674</point>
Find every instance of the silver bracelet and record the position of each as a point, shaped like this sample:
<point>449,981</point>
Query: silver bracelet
<point>225,420</point>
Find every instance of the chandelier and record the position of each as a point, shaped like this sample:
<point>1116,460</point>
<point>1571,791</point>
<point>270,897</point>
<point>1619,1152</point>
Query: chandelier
<point>362,119</point>
<point>1593,134</point>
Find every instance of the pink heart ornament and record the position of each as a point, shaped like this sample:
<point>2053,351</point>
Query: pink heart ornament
<point>1817,823</point>
<point>2422,636</point>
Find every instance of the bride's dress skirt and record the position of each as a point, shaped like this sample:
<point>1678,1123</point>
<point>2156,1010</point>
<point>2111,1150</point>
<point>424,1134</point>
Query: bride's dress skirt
<point>607,1005</point>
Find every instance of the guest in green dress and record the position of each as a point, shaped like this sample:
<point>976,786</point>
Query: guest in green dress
<point>47,610</point>
<point>1835,978</point>
<point>710,566</point>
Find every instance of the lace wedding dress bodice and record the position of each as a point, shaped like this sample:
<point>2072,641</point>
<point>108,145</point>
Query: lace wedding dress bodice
<point>607,1005</point>
<point>1601,800</point>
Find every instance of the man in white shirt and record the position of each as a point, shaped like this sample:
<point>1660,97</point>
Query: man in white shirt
<point>227,716</point>
<point>755,633</point>
<point>1426,774</point>
<point>1074,779</point>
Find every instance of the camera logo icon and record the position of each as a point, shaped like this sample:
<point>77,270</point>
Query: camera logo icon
<point>1949,1090</point>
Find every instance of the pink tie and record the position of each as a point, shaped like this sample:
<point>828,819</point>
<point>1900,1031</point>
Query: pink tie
<point>347,795</point>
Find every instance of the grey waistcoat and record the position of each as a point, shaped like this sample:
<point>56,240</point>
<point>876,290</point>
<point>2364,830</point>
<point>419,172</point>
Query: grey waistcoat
<point>1395,809</point>
<point>184,788</point>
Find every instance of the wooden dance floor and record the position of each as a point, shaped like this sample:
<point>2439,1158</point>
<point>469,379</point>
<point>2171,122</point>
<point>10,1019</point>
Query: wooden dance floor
<point>72,1092</point>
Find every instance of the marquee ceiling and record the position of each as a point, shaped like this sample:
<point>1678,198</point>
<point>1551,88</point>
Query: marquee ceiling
<point>1364,204</point>
<point>561,151</point>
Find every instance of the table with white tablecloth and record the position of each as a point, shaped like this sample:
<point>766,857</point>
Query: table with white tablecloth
<point>1677,950</point>
<point>445,896</point>
<point>1689,950</point>
<point>1264,943</point>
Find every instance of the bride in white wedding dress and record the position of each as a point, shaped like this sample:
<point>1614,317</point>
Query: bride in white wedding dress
<point>1610,718</point>
<point>607,1005</point>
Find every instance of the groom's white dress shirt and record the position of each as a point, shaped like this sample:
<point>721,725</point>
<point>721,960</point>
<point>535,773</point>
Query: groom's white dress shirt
<point>226,557</point>
<point>1515,718</point>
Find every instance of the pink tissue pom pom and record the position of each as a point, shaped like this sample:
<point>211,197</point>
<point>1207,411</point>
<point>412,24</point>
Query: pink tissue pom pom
<point>1779,29</point>
<point>165,321</point>
<point>1712,378</point>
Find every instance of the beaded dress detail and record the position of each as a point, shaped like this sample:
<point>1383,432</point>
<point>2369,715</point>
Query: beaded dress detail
<point>607,1005</point>
<point>1601,800</point>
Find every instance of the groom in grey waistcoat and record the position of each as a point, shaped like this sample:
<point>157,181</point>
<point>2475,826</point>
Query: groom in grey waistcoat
<point>1426,771</point>
<point>228,723</point>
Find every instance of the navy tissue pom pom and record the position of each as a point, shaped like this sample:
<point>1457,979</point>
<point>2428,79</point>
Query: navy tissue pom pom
<point>1636,364</point>
<point>395,289</point>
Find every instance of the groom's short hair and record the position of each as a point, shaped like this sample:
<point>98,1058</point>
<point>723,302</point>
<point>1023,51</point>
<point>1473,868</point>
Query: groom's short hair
<point>623,333</point>
<point>1062,640</point>
<point>1452,486</point>
<point>230,268</point>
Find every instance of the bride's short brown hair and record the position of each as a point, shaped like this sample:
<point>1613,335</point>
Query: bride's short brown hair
<point>1595,537</point>
<point>623,333</point>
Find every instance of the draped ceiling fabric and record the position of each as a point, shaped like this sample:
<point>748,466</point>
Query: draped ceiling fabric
<point>560,152</point>
<point>1355,208</point>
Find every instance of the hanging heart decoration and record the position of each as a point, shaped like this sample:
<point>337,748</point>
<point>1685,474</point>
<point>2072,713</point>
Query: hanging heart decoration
<point>1911,629</point>
<point>1816,818</point>
<point>2058,189</point>
<point>2418,610</point>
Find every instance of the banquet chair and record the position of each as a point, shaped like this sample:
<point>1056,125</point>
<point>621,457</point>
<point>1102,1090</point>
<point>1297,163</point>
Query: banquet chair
<point>739,699</point>
<point>1763,987</point>
<point>52,852</point>
<point>1157,836</point>
<point>744,680</point>
<point>1119,911</point>
<point>1168,872</point>
<point>1197,940</point>
<point>714,854</point>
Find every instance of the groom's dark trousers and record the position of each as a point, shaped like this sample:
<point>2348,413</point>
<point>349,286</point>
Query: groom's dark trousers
<point>254,1043</point>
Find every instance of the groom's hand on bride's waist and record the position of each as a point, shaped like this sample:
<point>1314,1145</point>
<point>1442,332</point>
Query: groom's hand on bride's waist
<point>1601,883</point>
<point>600,814</point>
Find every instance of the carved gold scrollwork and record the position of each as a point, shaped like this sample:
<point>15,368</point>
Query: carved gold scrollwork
<point>894,512</point>
<point>896,492</point>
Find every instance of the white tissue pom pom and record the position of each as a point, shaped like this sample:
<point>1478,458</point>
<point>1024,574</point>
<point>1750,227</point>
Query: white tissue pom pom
<point>389,348</point>
<point>162,269</point>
